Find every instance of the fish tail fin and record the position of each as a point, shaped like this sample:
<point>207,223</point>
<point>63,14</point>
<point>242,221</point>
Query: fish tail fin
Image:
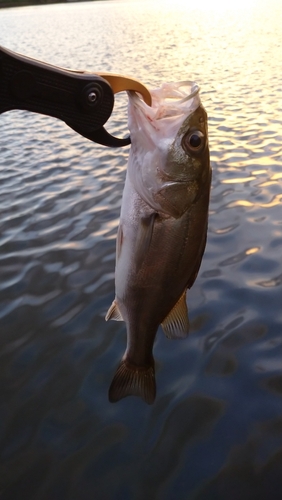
<point>132,380</point>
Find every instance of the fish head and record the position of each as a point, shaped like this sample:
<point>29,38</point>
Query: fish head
<point>188,155</point>
<point>186,171</point>
<point>169,164</point>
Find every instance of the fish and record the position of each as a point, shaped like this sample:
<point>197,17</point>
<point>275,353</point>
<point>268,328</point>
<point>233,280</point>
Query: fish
<point>162,230</point>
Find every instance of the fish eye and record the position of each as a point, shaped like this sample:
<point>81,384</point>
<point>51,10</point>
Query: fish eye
<point>193,141</point>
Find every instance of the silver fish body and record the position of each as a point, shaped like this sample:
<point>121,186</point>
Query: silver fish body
<point>160,244</point>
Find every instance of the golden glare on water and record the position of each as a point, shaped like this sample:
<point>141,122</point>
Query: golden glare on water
<point>218,5</point>
<point>238,180</point>
<point>250,251</point>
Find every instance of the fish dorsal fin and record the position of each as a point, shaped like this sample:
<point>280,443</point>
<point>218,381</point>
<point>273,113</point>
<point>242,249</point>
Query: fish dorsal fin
<point>114,313</point>
<point>131,380</point>
<point>176,324</point>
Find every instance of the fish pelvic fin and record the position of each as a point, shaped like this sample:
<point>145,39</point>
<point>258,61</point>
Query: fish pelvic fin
<point>176,324</point>
<point>132,380</point>
<point>114,313</point>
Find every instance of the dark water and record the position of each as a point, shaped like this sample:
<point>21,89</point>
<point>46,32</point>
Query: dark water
<point>215,430</point>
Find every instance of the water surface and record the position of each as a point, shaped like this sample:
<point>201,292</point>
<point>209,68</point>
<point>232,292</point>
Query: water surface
<point>215,430</point>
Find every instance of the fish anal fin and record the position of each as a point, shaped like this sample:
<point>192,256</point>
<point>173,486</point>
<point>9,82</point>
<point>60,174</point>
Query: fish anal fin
<point>114,313</point>
<point>176,324</point>
<point>132,380</point>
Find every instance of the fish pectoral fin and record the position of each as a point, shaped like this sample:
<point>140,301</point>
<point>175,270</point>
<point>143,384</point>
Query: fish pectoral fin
<point>114,313</point>
<point>144,237</point>
<point>176,324</point>
<point>132,380</point>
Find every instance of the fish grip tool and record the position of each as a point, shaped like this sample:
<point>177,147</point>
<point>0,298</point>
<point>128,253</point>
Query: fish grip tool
<point>84,101</point>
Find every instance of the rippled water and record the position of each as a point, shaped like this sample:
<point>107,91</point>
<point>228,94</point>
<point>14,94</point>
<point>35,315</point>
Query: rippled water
<point>215,430</point>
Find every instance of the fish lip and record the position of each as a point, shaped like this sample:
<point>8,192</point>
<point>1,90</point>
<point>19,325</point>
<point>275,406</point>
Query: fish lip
<point>195,89</point>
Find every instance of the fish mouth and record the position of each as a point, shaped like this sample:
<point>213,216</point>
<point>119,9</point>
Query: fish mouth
<point>167,100</point>
<point>173,91</point>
